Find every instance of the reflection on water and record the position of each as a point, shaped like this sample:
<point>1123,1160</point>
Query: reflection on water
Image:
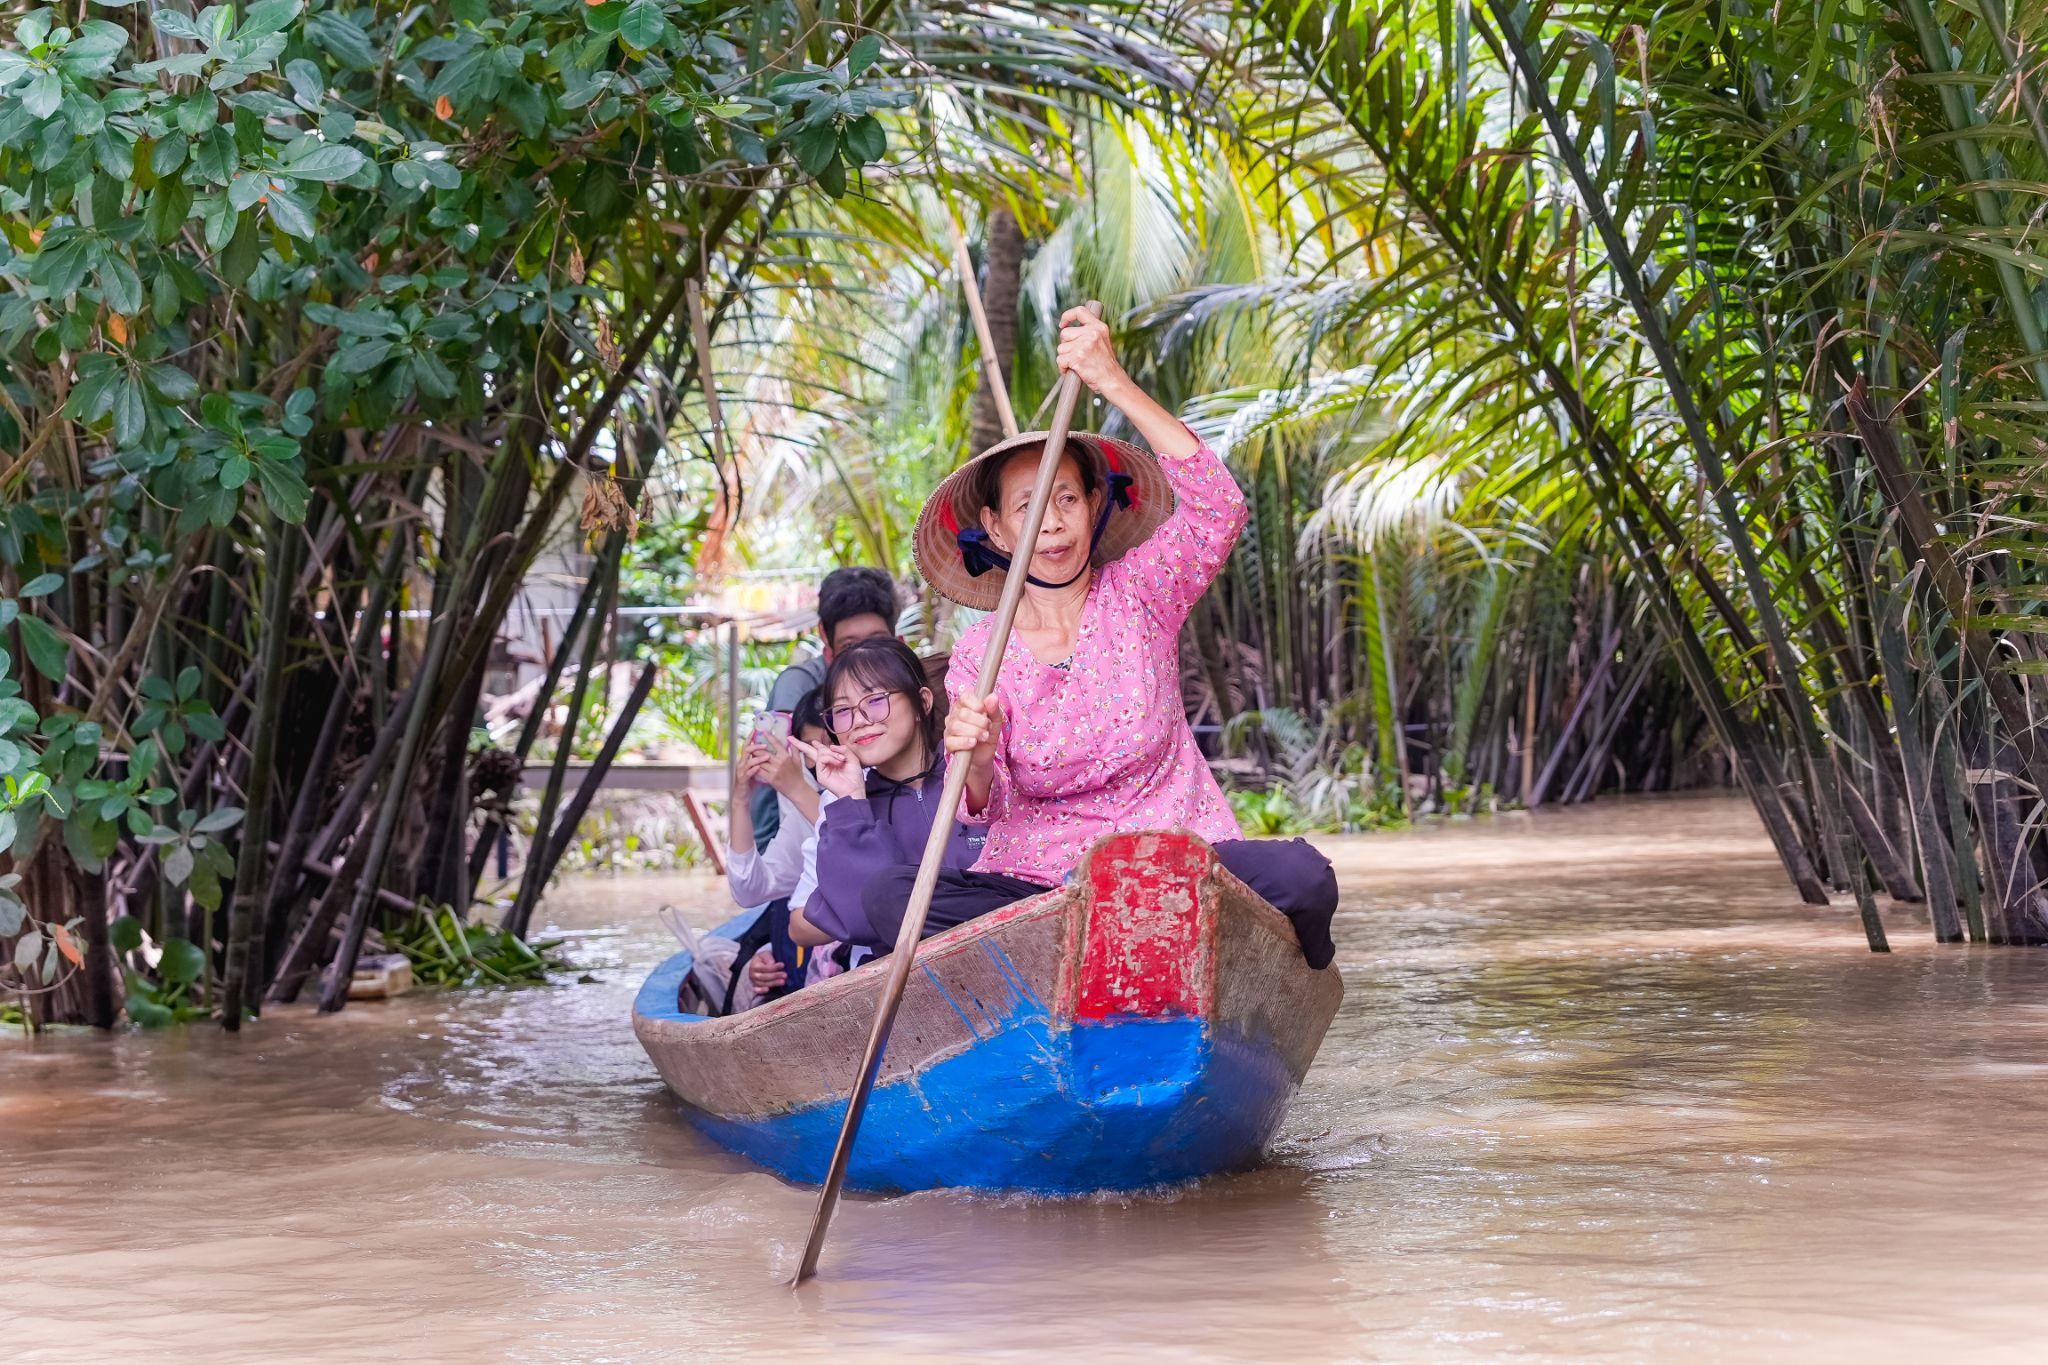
<point>1601,1088</point>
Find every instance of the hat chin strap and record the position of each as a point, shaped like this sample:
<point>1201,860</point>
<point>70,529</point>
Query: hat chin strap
<point>978,553</point>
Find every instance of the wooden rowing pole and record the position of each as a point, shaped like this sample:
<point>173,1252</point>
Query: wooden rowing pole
<point>907,937</point>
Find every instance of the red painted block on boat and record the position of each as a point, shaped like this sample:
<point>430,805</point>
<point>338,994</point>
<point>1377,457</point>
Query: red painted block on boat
<point>1146,955</point>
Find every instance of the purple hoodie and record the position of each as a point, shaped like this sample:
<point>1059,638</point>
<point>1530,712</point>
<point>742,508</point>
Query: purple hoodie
<point>859,837</point>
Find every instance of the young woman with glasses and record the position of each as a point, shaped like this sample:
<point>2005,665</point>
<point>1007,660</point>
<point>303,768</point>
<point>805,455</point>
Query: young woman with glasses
<point>881,780</point>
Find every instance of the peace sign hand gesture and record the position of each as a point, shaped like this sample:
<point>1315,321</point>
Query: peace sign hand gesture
<point>839,772</point>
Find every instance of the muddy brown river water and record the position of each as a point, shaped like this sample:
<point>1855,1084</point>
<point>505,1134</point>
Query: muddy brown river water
<point>1601,1089</point>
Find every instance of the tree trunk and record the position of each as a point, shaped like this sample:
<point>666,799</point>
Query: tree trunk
<point>1002,278</point>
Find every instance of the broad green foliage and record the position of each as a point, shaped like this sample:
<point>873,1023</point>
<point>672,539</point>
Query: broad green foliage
<point>229,238</point>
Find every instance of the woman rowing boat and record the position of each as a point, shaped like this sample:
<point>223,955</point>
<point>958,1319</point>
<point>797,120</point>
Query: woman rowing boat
<point>1086,733</point>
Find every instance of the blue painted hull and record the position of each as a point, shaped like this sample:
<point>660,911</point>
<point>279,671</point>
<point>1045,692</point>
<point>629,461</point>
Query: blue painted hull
<point>1008,1084</point>
<point>1042,1110</point>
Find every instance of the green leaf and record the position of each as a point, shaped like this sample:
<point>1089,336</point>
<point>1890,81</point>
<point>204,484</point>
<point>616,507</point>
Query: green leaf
<point>246,190</point>
<point>217,410</point>
<point>131,411</point>
<point>342,38</point>
<point>42,585</point>
<point>218,819</point>
<point>172,383</point>
<point>46,649</point>
<point>174,23</point>
<point>44,93</point>
<point>238,260</point>
<point>290,214</point>
<point>120,285</point>
<point>181,963</point>
<point>214,155</point>
<point>832,179</point>
<point>125,934</point>
<point>178,865</point>
<point>63,262</point>
<point>89,839</point>
<point>170,203</point>
<point>205,885</point>
<point>642,25</point>
<point>148,1013</point>
<point>863,53</point>
<point>283,490</point>
<point>26,949</point>
<point>16,715</point>
<point>435,379</point>
<point>91,53</point>
<point>12,916</point>
<point>199,112</point>
<point>358,359</point>
<point>866,140</point>
<point>268,16</point>
<point>325,162</point>
<point>816,148</point>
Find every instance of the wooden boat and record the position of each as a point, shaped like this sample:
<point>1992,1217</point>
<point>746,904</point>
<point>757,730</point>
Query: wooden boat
<point>1147,1024</point>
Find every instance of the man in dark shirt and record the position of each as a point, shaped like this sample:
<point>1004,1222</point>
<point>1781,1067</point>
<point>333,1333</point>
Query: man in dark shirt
<point>853,604</point>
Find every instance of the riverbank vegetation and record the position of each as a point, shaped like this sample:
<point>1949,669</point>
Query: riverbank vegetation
<point>1629,398</point>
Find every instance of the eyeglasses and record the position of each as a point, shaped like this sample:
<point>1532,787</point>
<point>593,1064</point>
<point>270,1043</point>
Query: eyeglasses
<point>874,707</point>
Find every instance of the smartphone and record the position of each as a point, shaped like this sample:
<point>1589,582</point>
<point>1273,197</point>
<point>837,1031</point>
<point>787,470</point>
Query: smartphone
<point>770,728</point>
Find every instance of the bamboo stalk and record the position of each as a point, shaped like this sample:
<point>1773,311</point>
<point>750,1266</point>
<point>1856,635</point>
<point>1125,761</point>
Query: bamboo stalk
<point>543,699</point>
<point>593,777</point>
<point>1601,669</point>
<point>299,828</point>
<point>1921,540</point>
<point>334,991</point>
<point>245,922</point>
<point>1920,800</point>
<point>531,883</point>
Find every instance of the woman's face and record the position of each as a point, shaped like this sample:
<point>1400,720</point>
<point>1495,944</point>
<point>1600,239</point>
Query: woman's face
<point>1063,537</point>
<point>883,724</point>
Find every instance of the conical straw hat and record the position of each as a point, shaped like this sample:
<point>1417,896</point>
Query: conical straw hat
<point>952,507</point>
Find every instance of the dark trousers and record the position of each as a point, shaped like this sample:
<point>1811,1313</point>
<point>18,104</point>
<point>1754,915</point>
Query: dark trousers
<point>1289,874</point>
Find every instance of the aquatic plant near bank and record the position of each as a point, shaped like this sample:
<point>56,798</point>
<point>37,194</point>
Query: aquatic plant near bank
<point>159,993</point>
<point>444,951</point>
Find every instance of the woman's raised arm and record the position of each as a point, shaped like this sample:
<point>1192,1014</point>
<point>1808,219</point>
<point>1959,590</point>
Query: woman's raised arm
<point>1178,561</point>
<point>1086,350</point>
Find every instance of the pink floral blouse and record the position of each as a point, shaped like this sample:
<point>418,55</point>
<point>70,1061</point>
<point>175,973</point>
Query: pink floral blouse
<point>1103,745</point>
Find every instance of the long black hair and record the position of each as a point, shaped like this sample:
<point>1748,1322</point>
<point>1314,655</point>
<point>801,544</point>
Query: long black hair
<point>883,663</point>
